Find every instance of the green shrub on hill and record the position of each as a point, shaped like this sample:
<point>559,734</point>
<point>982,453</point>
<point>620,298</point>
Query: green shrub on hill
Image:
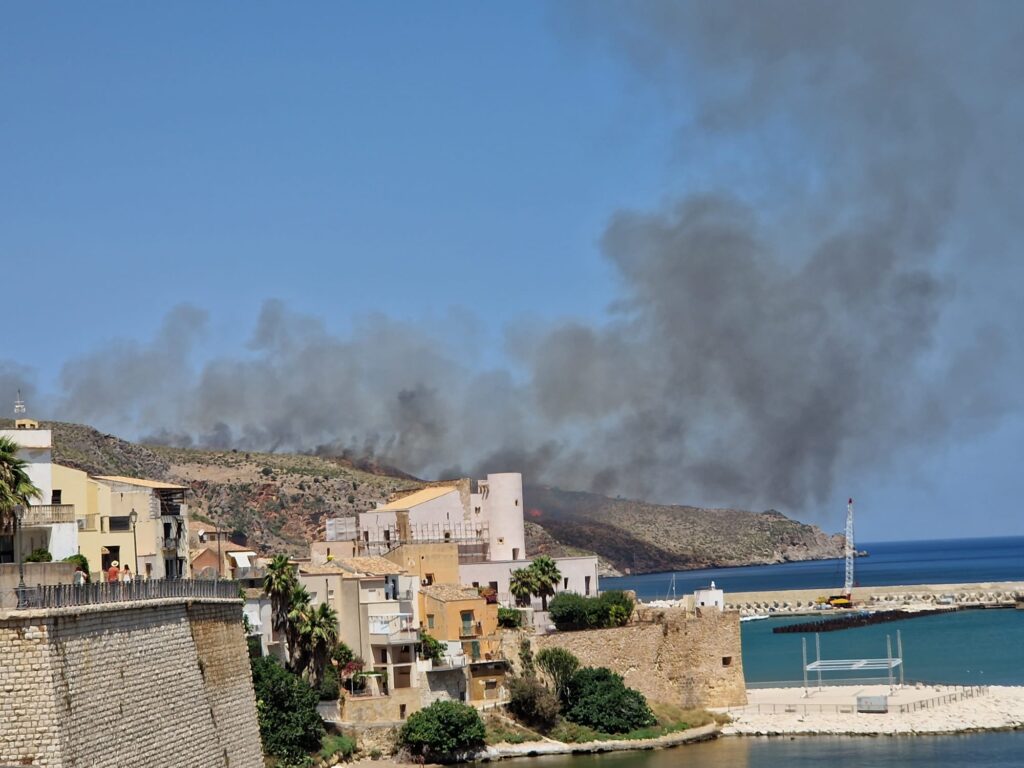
<point>571,612</point>
<point>599,699</point>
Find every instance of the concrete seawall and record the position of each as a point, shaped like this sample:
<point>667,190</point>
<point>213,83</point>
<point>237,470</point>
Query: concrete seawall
<point>910,597</point>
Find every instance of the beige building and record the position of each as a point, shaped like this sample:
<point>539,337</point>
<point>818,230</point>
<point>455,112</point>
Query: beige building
<point>378,616</point>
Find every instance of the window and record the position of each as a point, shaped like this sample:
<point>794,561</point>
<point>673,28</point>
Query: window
<point>493,585</point>
<point>586,585</point>
<point>477,510</point>
<point>121,523</point>
<point>515,553</point>
<point>565,583</point>
<point>55,496</point>
<point>401,711</point>
<point>387,534</point>
<point>384,655</point>
<point>517,502</point>
<point>430,621</point>
<point>476,584</point>
<point>447,535</point>
<point>727,661</point>
<point>429,578</point>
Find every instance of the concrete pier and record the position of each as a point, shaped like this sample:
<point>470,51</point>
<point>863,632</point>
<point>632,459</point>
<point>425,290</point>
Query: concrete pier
<point>1001,594</point>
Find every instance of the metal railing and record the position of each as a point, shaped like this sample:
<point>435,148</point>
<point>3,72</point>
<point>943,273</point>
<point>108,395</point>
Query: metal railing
<point>471,629</point>
<point>89,522</point>
<point>170,542</point>
<point>961,693</point>
<point>252,572</point>
<point>48,514</point>
<point>68,595</point>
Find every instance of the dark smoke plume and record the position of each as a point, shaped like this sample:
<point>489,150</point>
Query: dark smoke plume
<point>795,318</point>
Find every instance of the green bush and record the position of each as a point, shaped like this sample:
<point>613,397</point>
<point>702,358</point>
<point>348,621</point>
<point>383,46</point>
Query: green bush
<point>600,700</point>
<point>532,703</point>
<point>290,727</point>
<point>342,655</point>
<point>570,611</point>
<point>39,556</point>
<point>444,731</point>
<point>329,684</point>
<point>337,744</point>
<point>509,618</point>
<point>431,649</point>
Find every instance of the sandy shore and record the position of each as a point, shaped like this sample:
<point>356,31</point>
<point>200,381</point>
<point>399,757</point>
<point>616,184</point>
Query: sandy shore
<point>926,710</point>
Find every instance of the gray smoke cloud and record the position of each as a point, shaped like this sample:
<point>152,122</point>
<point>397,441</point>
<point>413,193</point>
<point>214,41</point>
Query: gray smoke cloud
<point>811,310</point>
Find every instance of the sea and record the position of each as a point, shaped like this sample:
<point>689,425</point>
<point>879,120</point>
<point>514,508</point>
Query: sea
<point>966,647</point>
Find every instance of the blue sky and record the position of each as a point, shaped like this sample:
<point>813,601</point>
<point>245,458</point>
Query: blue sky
<point>453,169</point>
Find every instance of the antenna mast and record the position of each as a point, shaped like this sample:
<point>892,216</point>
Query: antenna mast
<point>848,584</point>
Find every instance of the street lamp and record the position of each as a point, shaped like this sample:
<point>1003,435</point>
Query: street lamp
<point>19,515</point>
<point>133,518</point>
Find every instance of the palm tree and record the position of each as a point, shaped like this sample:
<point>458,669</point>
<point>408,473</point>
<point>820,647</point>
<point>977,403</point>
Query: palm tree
<point>521,586</point>
<point>279,584</point>
<point>298,618</point>
<point>16,488</point>
<point>545,576</point>
<point>319,636</point>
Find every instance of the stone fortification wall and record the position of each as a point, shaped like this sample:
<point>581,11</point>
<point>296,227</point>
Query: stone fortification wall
<point>161,683</point>
<point>669,655</point>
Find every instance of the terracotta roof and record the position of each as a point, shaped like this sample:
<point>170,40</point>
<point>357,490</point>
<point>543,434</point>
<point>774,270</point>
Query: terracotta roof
<point>448,593</point>
<point>371,566</point>
<point>144,483</point>
<point>419,497</point>
<point>325,569</point>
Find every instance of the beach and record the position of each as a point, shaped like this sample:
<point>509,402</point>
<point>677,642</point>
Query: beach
<point>913,709</point>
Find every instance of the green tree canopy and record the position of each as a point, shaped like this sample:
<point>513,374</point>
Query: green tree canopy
<point>290,727</point>
<point>560,665</point>
<point>545,576</point>
<point>599,699</point>
<point>16,487</point>
<point>521,586</point>
<point>443,732</point>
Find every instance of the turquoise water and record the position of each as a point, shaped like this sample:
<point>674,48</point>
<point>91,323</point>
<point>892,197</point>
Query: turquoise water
<point>975,647</point>
<point>991,750</point>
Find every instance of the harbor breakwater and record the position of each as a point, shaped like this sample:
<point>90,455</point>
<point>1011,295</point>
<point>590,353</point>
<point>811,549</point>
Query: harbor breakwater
<point>1001,594</point>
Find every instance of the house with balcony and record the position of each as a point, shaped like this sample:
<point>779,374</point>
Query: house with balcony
<point>159,530</point>
<point>49,521</point>
<point>467,623</point>
<point>378,618</point>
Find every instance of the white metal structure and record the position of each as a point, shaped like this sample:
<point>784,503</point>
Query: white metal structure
<point>890,663</point>
<point>848,584</point>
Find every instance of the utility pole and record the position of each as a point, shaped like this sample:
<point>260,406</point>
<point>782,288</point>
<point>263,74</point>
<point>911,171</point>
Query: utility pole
<point>848,584</point>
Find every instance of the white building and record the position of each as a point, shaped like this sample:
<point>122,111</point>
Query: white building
<point>48,523</point>
<point>488,524</point>
<point>579,575</point>
<point>709,597</point>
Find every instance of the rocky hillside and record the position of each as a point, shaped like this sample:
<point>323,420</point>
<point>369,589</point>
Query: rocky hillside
<point>278,503</point>
<point>638,537</point>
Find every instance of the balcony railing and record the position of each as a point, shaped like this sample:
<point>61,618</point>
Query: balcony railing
<point>68,595</point>
<point>89,522</point>
<point>471,630</point>
<point>48,514</point>
<point>170,542</point>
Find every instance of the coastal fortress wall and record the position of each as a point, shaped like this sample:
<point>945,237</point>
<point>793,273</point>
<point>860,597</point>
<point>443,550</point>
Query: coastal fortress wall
<point>669,655</point>
<point>159,683</point>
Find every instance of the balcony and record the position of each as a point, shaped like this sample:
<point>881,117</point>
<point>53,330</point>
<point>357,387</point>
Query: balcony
<point>171,542</point>
<point>395,629</point>
<point>252,572</point>
<point>471,629</point>
<point>89,522</point>
<point>448,663</point>
<point>48,514</point>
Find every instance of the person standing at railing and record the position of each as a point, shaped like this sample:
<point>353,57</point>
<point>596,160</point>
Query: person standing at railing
<point>126,574</point>
<point>79,578</point>
<point>113,572</point>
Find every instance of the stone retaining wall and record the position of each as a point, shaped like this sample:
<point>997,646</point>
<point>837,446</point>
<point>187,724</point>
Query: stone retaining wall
<point>159,683</point>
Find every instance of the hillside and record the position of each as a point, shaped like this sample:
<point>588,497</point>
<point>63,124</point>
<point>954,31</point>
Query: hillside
<point>278,503</point>
<point>638,537</point>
